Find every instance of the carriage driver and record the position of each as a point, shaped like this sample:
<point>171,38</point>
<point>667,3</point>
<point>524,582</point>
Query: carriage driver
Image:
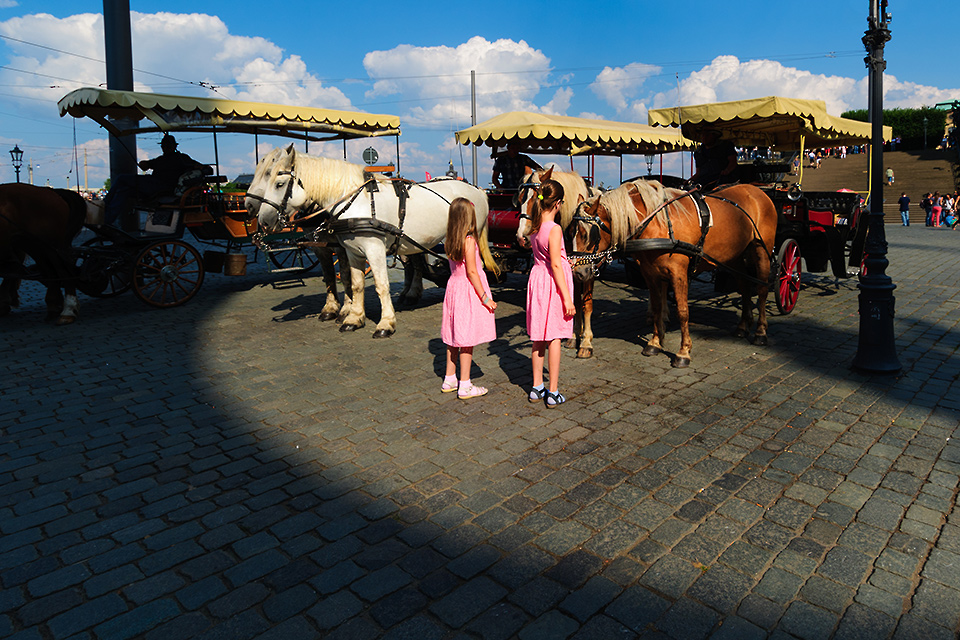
<point>716,161</point>
<point>167,170</point>
<point>510,167</point>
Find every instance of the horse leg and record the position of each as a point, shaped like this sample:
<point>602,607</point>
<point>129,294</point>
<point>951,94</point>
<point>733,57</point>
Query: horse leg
<point>584,313</point>
<point>332,305</point>
<point>346,280</point>
<point>658,300</point>
<point>388,319</point>
<point>680,291</point>
<point>355,318</point>
<point>763,275</point>
<point>746,307</point>
<point>67,278</point>
<point>413,269</point>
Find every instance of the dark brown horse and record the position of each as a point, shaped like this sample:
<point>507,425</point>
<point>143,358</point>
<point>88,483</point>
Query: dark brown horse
<point>671,238</point>
<point>41,223</point>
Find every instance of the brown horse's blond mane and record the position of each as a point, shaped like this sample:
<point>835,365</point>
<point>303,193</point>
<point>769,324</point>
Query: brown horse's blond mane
<point>573,186</point>
<point>624,217</point>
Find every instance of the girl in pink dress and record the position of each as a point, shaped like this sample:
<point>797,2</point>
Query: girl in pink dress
<point>549,301</point>
<point>467,305</point>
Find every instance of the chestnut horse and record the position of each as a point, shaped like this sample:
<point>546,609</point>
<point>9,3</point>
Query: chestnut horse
<point>575,191</point>
<point>41,223</point>
<point>671,238</point>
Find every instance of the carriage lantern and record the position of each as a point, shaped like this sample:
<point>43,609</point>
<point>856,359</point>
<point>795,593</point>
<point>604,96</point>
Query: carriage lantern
<point>16,154</point>
<point>649,157</point>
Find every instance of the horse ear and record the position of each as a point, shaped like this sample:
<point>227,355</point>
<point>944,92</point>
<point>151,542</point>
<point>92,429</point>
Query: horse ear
<point>580,198</point>
<point>593,206</point>
<point>546,176</point>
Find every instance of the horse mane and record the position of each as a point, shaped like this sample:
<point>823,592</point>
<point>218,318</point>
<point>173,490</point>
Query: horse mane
<point>573,185</point>
<point>326,180</point>
<point>624,218</point>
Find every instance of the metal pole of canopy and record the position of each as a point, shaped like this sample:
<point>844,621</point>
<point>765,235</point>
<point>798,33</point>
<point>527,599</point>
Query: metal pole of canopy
<point>876,351</point>
<point>216,151</point>
<point>473,122</point>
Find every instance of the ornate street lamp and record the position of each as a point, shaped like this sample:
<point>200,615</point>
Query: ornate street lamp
<point>649,157</point>
<point>876,352</point>
<point>16,154</point>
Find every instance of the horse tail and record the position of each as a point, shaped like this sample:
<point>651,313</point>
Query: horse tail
<point>485,254</point>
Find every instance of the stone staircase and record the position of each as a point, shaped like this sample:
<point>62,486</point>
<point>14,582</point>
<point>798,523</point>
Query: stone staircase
<point>915,172</point>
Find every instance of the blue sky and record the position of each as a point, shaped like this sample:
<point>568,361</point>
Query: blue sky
<point>613,60</point>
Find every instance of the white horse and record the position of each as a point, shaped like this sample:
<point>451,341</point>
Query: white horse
<point>332,307</point>
<point>575,191</point>
<point>364,215</point>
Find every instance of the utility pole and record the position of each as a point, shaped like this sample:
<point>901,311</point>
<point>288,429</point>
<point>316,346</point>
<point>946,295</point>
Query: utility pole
<point>876,352</point>
<point>119,58</point>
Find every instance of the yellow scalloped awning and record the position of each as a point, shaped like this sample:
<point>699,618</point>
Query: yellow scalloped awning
<point>565,135</point>
<point>768,122</point>
<point>163,112</point>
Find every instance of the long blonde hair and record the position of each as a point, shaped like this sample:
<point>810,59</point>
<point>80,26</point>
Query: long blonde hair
<point>548,195</point>
<point>461,222</point>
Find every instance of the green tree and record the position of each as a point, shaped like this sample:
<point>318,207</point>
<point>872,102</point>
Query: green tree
<point>908,125</point>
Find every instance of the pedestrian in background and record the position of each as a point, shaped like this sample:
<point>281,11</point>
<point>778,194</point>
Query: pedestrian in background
<point>904,203</point>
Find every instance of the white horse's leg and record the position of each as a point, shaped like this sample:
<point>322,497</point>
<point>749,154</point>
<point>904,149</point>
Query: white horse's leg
<point>332,305</point>
<point>413,268</point>
<point>377,257</point>
<point>356,317</point>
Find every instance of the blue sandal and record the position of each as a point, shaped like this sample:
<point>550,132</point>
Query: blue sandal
<point>554,399</point>
<point>536,395</point>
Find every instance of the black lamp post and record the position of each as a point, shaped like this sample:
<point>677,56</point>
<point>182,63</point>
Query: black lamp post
<point>875,350</point>
<point>16,154</point>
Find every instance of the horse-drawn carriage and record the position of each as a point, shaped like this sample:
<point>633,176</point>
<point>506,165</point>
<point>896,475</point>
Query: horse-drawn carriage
<point>544,134</point>
<point>823,228</point>
<point>154,260</point>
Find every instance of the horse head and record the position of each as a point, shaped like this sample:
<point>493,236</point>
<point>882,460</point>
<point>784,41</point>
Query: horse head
<point>282,194</point>
<point>258,184</point>
<point>589,234</point>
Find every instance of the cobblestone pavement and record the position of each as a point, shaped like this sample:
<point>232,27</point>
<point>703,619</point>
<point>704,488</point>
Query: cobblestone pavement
<point>233,468</point>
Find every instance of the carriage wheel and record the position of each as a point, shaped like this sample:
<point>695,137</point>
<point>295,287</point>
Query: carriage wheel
<point>293,258</point>
<point>102,276</point>
<point>788,276</point>
<point>167,273</point>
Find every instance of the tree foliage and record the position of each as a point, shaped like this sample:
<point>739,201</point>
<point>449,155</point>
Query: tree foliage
<point>908,125</point>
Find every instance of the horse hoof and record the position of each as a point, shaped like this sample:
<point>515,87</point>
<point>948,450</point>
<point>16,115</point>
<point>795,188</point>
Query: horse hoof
<point>327,316</point>
<point>650,351</point>
<point>65,320</point>
<point>739,333</point>
<point>760,341</point>
<point>680,363</point>
<point>348,327</point>
<point>382,333</point>
<point>585,353</point>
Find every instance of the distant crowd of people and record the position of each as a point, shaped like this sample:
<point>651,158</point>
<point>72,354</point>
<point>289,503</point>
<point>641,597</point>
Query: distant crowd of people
<point>941,210</point>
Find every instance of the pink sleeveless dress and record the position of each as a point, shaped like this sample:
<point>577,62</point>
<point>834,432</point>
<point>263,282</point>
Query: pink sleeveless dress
<point>466,322</point>
<point>545,319</point>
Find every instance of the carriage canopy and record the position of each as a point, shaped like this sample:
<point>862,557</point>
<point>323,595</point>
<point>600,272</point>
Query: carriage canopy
<point>564,135</point>
<point>782,123</point>
<point>129,112</point>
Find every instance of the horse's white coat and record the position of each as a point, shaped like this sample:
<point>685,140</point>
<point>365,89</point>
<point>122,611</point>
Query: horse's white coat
<point>324,182</point>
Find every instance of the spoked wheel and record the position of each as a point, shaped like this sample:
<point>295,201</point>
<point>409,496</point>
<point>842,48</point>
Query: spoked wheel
<point>290,257</point>
<point>167,273</point>
<point>788,276</point>
<point>103,273</point>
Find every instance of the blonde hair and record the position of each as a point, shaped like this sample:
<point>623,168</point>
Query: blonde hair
<point>461,222</point>
<point>548,195</point>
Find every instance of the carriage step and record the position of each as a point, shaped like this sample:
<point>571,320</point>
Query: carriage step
<point>286,270</point>
<point>280,249</point>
